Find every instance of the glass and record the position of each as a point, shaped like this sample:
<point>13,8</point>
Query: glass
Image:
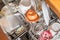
<point>11,6</point>
<point>55,26</point>
<point>9,9</point>
<point>38,5</point>
<point>11,23</point>
<point>24,5</point>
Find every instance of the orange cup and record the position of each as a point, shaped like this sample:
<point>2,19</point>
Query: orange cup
<point>31,15</point>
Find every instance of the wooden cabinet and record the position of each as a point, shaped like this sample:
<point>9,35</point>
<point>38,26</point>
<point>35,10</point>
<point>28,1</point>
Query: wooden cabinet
<point>2,35</point>
<point>55,6</point>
